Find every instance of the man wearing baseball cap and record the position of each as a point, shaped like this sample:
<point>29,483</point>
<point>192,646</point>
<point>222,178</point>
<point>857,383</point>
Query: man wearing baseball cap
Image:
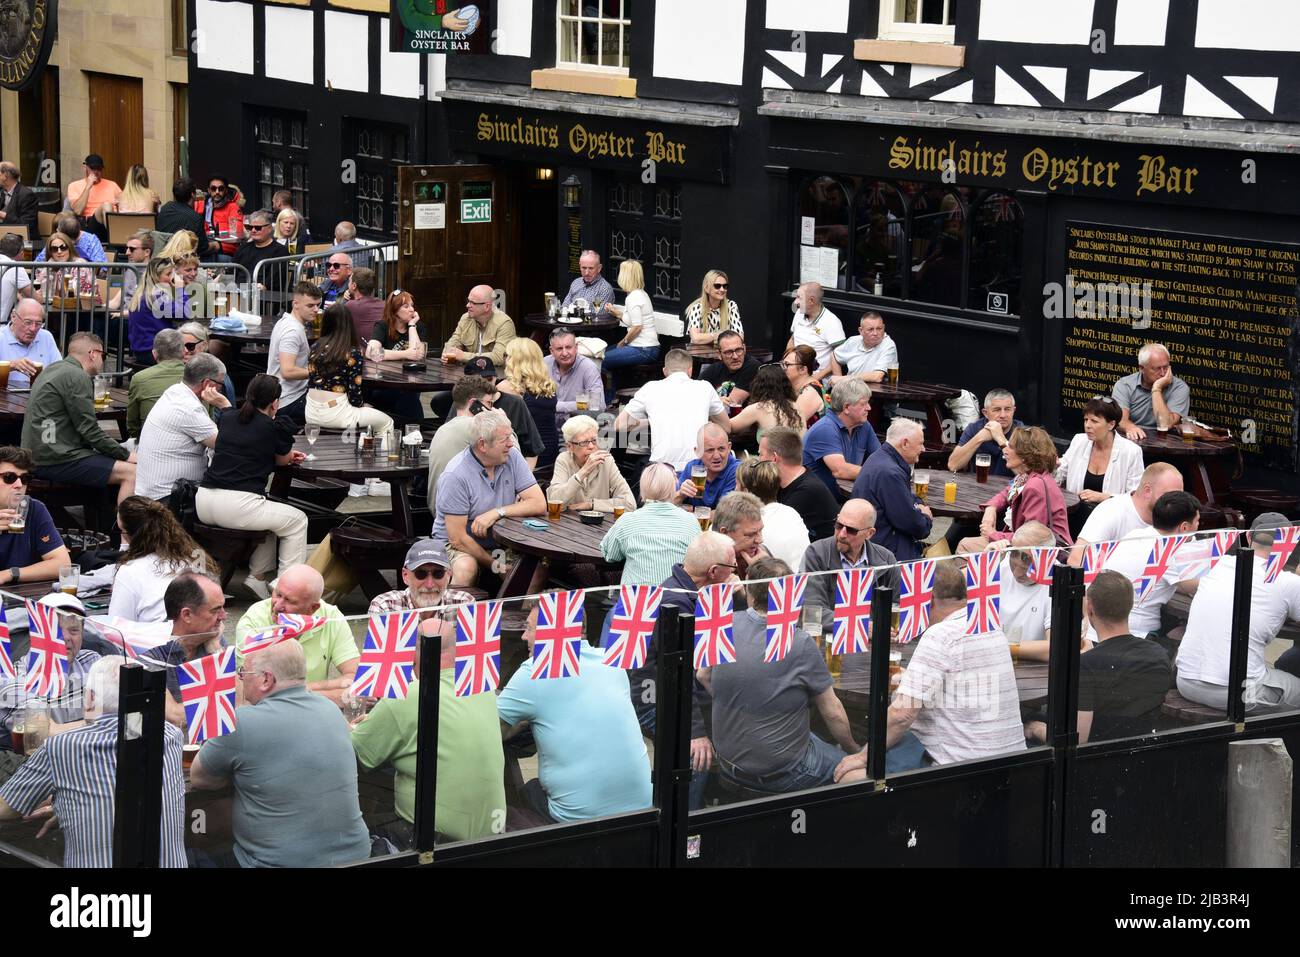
<point>426,574</point>
<point>1205,653</point>
<point>88,194</point>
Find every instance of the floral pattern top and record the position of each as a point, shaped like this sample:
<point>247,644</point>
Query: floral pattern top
<point>344,379</point>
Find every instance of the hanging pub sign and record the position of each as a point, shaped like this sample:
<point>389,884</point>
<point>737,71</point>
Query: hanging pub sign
<point>438,26</point>
<point>26,33</point>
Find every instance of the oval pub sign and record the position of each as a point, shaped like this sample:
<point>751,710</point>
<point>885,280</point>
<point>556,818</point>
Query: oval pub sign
<point>26,33</point>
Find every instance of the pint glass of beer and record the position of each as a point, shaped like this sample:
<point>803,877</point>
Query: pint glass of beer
<point>1188,431</point>
<point>703,516</point>
<point>892,372</point>
<point>582,401</point>
<point>69,578</point>
<point>5,366</point>
<point>18,523</point>
<point>618,512</point>
<point>698,475</point>
<point>921,485</point>
<point>554,504</point>
<point>982,463</point>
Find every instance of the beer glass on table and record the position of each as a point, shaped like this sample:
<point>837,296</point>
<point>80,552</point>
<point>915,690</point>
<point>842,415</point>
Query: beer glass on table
<point>921,485</point>
<point>892,372</point>
<point>69,578</point>
<point>582,401</point>
<point>982,464</point>
<point>618,512</point>
<point>703,516</point>
<point>1188,431</point>
<point>5,367</point>
<point>101,392</point>
<point>554,504</point>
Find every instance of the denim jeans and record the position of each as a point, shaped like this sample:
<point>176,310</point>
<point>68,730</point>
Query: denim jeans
<point>814,768</point>
<point>621,356</point>
<point>699,779</point>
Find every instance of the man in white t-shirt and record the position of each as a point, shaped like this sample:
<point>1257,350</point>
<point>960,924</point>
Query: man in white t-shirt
<point>869,354</point>
<point>1174,513</point>
<point>675,406</point>
<point>289,350</point>
<point>1204,655</point>
<point>958,693</point>
<point>1120,514</point>
<point>1026,606</point>
<point>815,326</point>
<point>176,436</point>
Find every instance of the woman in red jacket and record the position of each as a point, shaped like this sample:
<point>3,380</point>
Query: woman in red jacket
<point>1032,496</point>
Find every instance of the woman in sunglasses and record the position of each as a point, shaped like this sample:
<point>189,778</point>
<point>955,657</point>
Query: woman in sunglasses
<point>156,304</point>
<point>713,313</point>
<point>63,282</point>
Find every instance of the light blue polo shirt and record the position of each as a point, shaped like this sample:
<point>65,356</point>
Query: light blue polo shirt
<point>591,758</point>
<point>43,349</point>
<point>465,489</point>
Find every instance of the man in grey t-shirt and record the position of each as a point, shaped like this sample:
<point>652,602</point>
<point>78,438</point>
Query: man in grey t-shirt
<point>1152,396</point>
<point>289,351</point>
<point>761,725</point>
<point>291,761</point>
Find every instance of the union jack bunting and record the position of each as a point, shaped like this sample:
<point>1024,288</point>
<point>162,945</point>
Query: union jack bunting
<point>914,598</point>
<point>1283,545</point>
<point>1162,554</point>
<point>713,621</point>
<point>47,661</point>
<point>387,663</point>
<point>635,614</point>
<point>1041,563</point>
<point>478,648</point>
<point>208,695</point>
<point>1200,556</point>
<point>853,589</point>
<point>286,627</point>
<point>6,650</point>
<point>1095,557</point>
<point>558,645</point>
<point>299,625</point>
<point>784,605</point>
<point>983,593</point>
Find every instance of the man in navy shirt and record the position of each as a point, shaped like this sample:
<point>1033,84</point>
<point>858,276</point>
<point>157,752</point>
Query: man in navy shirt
<point>988,436</point>
<point>838,444</point>
<point>36,552</point>
<point>713,448</point>
<point>885,481</point>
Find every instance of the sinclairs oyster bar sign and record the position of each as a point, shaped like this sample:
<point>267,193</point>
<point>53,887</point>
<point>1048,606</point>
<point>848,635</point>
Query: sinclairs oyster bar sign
<point>26,32</point>
<point>438,26</point>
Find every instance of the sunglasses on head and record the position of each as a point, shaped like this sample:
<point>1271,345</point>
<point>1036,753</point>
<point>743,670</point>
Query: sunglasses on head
<point>437,573</point>
<point>10,477</point>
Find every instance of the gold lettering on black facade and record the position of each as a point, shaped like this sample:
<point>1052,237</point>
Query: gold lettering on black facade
<point>935,159</point>
<point>23,42</point>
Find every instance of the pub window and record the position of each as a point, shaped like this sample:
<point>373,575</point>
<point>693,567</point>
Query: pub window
<point>282,151</point>
<point>929,21</point>
<point>593,34</point>
<point>996,234</point>
<point>938,224</point>
<point>879,238</point>
<point>379,148</point>
<point>824,210</point>
<point>644,222</point>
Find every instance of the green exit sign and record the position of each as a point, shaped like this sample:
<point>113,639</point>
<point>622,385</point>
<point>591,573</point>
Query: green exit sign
<point>476,210</point>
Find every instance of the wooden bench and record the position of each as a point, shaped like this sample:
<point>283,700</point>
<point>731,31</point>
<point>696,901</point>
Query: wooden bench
<point>1189,712</point>
<point>369,550</point>
<point>231,547</point>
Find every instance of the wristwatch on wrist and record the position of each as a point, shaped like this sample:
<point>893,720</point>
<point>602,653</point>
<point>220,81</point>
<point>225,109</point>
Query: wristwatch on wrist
<point>15,574</point>
<point>501,512</point>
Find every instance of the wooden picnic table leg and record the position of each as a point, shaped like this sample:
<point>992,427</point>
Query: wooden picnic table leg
<point>405,525</point>
<point>934,421</point>
<point>517,582</point>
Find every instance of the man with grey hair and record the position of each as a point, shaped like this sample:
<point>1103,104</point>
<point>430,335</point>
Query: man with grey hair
<point>18,204</point>
<point>590,284</point>
<point>987,436</point>
<point>573,375</point>
<point>294,772</point>
<point>713,451</point>
<point>837,445</point>
<point>739,516</point>
<point>676,406</point>
<point>886,482</point>
<point>650,540</point>
<point>178,432</point>
<point>815,326</point>
<point>25,342</point>
<point>261,245</point>
<point>79,767</point>
<point>486,482</point>
<point>15,282</point>
<point>1153,397</point>
<point>148,385</point>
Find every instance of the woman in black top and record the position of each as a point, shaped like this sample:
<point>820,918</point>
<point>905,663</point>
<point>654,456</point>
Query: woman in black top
<point>250,445</point>
<point>334,399</point>
<point>394,337</point>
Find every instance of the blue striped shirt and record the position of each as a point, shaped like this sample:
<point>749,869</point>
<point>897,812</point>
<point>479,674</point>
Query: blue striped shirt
<point>80,768</point>
<point>650,541</point>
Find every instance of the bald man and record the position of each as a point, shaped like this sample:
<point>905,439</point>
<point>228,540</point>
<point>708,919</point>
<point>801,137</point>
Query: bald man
<point>713,452</point>
<point>483,330</point>
<point>850,547</point>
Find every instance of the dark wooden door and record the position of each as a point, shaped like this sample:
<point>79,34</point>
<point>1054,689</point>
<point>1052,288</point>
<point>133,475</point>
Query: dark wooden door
<point>457,228</point>
<point>116,124</point>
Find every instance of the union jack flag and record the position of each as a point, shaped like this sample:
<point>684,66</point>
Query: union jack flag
<point>478,648</point>
<point>635,614</point>
<point>1201,556</point>
<point>784,604</point>
<point>1158,561</point>
<point>6,651</point>
<point>1041,562</point>
<point>914,598</point>
<point>558,645</point>
<point>853,589</point>
<point>1095,557</point>
<point>983,593</point>
<point>286,627</point>
<point>1283,545</point>
<point>47,661</point>
<point>208,694</point>
<point>387,663</point>
<point>713,621</point>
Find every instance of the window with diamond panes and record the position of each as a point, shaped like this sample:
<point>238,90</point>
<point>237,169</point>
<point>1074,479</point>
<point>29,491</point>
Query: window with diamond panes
<point>644,222</point>
<point>379,148</point>
<point>282,143</point>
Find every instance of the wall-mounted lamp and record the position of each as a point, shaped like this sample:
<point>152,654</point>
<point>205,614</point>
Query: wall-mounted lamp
<point>572,192</point>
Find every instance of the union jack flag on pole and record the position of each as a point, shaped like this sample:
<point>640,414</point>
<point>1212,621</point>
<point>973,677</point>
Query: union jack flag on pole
<point>914,598</point>
<point>784,605</point>
<point>558,645</point>
<point>6,650</point>
<point>47,660</point>
<point>387,663</point>
<point>983,593</point>
<point>853,589</point>
<point>478,648</point>
<point>630,629</point>
<point>1041,563</point>
<point>1283,545</point>
<point>208,694</point>
<point>1161,556</point>
<point>713,624</point>
<point>1095,557</point>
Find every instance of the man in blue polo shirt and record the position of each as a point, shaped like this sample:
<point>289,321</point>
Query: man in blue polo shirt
<point>713,448</point>
<point>838,444</point>
<point>25,341</point>
<point>35,553</point>
<point>988,436</point>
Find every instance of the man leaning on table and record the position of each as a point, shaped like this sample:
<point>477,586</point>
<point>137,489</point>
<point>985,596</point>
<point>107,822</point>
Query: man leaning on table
<point>483,330</point>
<point>24,341</point>
<point>1153,397</point>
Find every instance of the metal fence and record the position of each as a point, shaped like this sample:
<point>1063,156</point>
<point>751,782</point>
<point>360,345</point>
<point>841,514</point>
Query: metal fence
<point>273,279</point>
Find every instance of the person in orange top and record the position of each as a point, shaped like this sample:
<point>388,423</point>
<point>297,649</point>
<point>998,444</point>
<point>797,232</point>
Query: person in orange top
<point>87,195</point>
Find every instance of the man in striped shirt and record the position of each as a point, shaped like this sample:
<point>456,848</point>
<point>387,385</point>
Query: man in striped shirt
<point>425,573</point>
<point>178,432</point>
<point>79,767</point>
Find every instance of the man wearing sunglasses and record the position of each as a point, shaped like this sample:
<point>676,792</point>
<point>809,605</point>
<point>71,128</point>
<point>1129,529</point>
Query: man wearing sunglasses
<point>338,279</point>
<point>37,552</point>
<point>850,547</point>
<point>220,211</point>
<point>261,245</point>
<point>426,573</point>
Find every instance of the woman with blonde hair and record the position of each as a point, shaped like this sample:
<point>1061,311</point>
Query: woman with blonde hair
<point>637,315</point>
<point>784,533</point>
<point>714,312</point>
<point>182,243</point>
<point>526,377</point>
<point>586,476</point>
<point>157,302</point>
<point>136,196</point>
<point>288,230</point>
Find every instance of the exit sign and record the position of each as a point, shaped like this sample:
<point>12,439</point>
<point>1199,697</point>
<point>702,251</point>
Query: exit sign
<point>476,210</point>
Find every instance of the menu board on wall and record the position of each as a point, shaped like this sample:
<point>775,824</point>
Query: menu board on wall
<point>1225,307</point>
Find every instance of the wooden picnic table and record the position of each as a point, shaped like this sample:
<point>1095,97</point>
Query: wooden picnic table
<point>438,376</point>
<point>566,541</point>
<point>13,407</point>
<point>933,397</point>
<point>971,495</point>
<point>1207,467</point>
<point>854,681</point>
